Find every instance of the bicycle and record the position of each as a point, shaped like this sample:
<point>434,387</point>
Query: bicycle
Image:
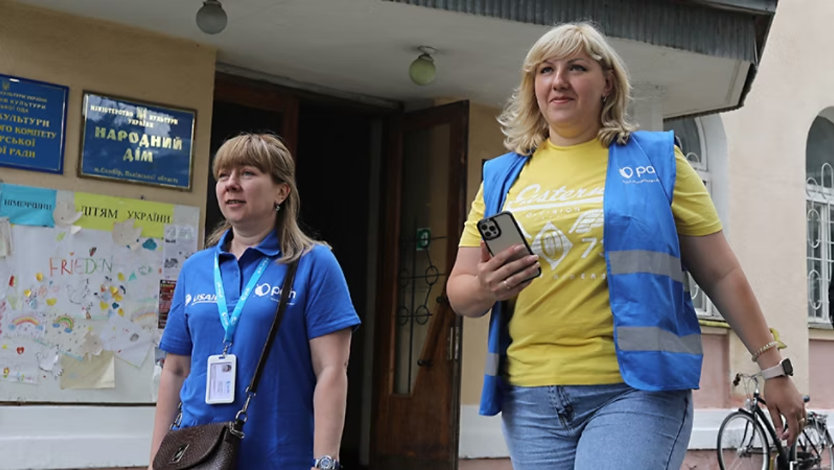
<point>744,444</point>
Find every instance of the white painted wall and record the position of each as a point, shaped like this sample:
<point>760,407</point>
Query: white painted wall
<point>47,437</point>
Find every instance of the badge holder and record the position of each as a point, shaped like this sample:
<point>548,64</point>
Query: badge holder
<point>220,379</point>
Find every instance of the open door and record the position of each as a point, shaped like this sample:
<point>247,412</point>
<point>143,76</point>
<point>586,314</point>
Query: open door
<point>417,362</point>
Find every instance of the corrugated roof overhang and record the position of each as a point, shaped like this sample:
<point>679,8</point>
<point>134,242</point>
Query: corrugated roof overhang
<point>732,29</point>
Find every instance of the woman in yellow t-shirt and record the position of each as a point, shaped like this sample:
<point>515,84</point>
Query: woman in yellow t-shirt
<point>587,369</point>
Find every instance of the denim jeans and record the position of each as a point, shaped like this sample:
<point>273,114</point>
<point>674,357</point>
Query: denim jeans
<point>596,427</point>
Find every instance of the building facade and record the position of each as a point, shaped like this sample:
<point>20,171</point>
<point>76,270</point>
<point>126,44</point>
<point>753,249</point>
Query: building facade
<point>409,163</point>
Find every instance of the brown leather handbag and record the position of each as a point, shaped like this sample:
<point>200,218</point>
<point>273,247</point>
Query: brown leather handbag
<point>211,446</point>
<point>214,446</point>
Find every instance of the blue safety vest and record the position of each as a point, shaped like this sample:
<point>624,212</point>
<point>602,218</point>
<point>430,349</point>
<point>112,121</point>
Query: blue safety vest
<point>656,331</point>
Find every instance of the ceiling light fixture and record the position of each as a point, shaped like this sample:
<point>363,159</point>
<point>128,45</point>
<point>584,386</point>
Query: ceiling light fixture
<point>211,19</point>
<point>422,70</point>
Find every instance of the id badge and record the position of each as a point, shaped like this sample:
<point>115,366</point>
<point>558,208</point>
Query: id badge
<point>220,379</point>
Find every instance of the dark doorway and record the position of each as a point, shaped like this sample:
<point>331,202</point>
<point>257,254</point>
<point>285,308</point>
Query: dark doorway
<point>334,148</point>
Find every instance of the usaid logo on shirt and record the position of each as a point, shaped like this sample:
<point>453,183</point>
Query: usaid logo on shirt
<point>638,174</point>
<point>200,299</point>
<point>274,293</point>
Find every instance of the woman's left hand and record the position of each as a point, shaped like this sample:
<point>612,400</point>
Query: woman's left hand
<point>784,400</point>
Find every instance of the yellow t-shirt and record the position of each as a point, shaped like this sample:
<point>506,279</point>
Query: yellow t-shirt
<point>562,326</point>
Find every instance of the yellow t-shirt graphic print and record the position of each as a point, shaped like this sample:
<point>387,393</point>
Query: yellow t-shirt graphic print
<point>562,327</point>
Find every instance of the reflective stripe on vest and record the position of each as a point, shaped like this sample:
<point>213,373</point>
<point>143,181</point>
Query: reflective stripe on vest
<point>651,338</point>
<point>493,360</point>
<point>644,261</point>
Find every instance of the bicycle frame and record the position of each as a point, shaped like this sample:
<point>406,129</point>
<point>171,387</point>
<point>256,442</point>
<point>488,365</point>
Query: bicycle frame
<point>754,410</point>
<point>786,458</point>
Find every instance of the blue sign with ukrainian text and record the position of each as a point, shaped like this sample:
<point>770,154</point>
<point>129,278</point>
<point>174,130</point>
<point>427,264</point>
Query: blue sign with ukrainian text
<point>25,205</point>
<point>138,142</point>
<point>33,117</point>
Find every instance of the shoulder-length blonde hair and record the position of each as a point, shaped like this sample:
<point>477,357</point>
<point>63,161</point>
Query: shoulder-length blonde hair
<point>523,123</point>
<point>268,154</point>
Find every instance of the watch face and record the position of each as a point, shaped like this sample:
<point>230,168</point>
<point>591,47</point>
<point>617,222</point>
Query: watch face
<point>787,367</point>
<point>326,463</point>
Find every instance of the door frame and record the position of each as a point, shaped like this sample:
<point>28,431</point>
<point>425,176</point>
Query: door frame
<point>444,336</point>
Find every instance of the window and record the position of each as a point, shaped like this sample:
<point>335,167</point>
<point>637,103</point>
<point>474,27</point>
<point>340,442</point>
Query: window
<point>689,137</point>
<point>819,186</point>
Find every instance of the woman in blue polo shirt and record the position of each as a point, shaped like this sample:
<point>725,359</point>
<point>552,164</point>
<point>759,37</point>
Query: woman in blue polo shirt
<point>296,419</point>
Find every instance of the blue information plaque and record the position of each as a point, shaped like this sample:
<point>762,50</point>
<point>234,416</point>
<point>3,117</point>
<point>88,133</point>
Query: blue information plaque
<point>33,117</point>
<point>137,142</point>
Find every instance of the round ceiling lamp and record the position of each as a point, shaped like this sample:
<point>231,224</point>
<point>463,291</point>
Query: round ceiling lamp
<point>422,71</point>
<point>211,19</point>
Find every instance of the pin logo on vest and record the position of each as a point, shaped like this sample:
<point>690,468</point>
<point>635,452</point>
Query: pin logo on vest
<point>628,172</point>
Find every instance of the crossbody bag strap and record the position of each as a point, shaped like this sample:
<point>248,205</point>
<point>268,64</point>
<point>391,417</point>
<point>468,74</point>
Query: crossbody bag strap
<point>286,288</point>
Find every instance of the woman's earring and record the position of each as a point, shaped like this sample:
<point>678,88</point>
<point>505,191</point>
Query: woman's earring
<point>604,98</point>
<point>277,207</point>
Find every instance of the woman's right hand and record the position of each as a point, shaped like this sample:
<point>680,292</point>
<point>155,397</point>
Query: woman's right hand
<point>478,280</point>
<point>503,276</point>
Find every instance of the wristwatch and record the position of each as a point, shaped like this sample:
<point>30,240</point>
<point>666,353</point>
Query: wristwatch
<point>327,463</point>
<point>783,368</point>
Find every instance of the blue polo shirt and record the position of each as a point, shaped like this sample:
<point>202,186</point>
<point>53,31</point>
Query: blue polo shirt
<point>279,432</point>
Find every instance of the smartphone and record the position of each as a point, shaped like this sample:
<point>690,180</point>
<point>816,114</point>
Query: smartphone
<point>500,232</point>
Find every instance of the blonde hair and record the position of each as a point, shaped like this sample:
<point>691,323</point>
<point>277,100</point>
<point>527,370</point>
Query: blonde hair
<point>522,122</point>
<point>268,154</point>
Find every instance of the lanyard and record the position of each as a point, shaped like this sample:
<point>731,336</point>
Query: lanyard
<point>230,323</point>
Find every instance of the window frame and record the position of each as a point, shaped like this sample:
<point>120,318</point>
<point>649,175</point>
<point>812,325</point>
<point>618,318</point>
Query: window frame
<point>819,195</point>
<point>704,307</point>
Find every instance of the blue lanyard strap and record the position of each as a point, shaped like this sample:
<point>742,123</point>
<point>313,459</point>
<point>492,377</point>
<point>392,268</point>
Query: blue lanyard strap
<point>230,323</point>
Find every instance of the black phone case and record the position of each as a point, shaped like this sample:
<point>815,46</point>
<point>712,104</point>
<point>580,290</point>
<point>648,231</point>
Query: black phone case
<point>500,232</point>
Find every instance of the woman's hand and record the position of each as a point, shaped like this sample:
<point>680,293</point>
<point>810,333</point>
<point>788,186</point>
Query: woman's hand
<point>502,275</point>
<point>784,400</point>
<point>478,280</point>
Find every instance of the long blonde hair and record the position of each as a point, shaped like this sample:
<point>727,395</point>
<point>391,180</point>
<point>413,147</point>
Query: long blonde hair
<point>268,154</point>
<point>522,122</point>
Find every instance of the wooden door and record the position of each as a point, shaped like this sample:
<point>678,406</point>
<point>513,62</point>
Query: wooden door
<point>417,361</point>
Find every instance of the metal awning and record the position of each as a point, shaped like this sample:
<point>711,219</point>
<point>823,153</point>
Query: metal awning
<point>729,29</point>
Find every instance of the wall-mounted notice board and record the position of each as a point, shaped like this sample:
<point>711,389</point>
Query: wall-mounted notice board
<point>80,282</point>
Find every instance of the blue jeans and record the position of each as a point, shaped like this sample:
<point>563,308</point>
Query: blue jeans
<point>598,427</point>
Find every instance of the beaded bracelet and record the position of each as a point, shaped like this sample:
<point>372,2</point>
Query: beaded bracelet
<point>764,348</point>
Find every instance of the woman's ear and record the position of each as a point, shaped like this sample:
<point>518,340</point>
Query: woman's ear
<point>609,84</point>
<point>283,193</point>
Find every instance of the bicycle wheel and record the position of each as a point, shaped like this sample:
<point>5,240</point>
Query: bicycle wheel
<point>742,443</point>
<point>814,449</point>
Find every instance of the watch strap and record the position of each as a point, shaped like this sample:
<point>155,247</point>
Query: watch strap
<point>772,372</point>
<point>327,463</point>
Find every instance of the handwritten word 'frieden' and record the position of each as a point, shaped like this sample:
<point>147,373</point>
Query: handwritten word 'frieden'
<point>78,266</point>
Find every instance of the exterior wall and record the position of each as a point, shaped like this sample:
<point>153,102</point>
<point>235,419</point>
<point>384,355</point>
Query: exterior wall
<point>820,352</point>
<point>766,173</point>
<point>766,180</point>
<point>714,373</point>
<point>96,56</point>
